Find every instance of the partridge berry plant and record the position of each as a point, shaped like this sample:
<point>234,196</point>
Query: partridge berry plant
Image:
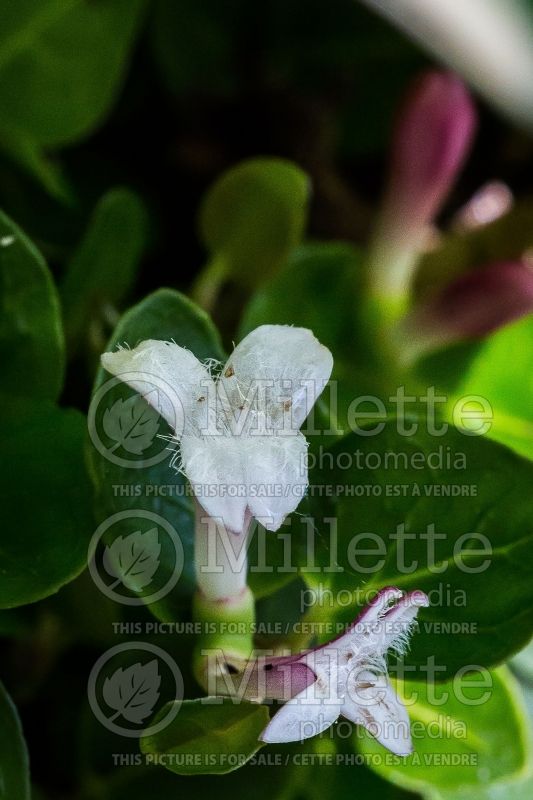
<point>309,535</point>
<point>238,434</point>
<point>242,430</point>
<point>346,676</point>
<point>234,432</point>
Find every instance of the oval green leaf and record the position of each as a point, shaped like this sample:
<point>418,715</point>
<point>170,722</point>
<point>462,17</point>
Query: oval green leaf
<point>253,216</point>
<point>47,509</point>
<point>449,515</point>
<point>31,335</point>
<point>464,747</point>
<point>104,266</point>
<point>208,736</point>
<point>62,63</point>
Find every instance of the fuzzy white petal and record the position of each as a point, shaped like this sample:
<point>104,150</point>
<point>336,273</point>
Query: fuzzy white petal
<point>351,677</point>
<point>171,378</point>
<point>398,623</point>
<point>372,702</point>
<point>275,469</point>
<point>387,623</point>
<point>240,445</point>
<point>213,465</point>
<point>301,718</point>
<point>276,374</point>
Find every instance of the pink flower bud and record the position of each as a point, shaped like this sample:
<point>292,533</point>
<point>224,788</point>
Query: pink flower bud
<point>472,306</point>
<point>278,678</point>
<point>431,140</point>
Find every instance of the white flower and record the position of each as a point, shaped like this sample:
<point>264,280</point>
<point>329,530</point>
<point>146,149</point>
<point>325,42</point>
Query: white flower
<point>240,444</point>
<point>347,676</point>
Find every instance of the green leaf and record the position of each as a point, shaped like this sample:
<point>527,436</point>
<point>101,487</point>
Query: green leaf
<point>323,277</point>
<point>418,504</point>
<point>220,736</point>
<point>334,772</point>
<point>62,63</point>
<point>104,267</point>
<point>252,217</point>
<point>484,370</point>
<point>506,382</point>
<point>47,515</point>
<point>521,789</point>
<point>31,336</point>
<point>274,773</point>
<point>516,789</point>
<point>23,151</point>
<point>14,766</point>
<point>487,730</point>
<point>140,472</point>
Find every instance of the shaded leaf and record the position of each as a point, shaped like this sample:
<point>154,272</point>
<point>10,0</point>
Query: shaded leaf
<point>105,264</point>
<point>220,735</point>
<point>47,511</point>
<point>450,516</point>
<point>62,63</point>
<point>31,335</point>
<point>28,156</point>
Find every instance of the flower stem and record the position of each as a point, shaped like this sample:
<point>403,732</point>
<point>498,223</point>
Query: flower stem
<point>206,288</point>
<point>221,558</point>
<point>226,638</point>
<point>223,604</point>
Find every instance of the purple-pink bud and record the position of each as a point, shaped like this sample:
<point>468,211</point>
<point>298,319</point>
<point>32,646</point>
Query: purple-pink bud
<point>431,141</point>
<point>278,678</point>
<point>472,306</point>
<point>284,677</point>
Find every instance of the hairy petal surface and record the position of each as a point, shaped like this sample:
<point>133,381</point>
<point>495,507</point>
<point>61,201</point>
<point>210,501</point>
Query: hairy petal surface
<point>176,374</point>
<point>351,677</point>
<point>276,373</point>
